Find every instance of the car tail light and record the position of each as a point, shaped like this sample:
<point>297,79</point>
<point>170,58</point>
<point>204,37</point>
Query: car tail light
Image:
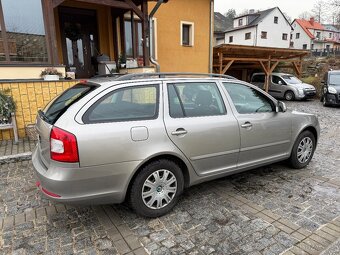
<point>64,146</point>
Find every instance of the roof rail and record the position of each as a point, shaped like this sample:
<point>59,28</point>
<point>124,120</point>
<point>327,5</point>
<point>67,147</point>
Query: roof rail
<point>166,75</point>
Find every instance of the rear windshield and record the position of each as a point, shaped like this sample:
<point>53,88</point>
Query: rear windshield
<point>334,79</point>
<point>61,103</point>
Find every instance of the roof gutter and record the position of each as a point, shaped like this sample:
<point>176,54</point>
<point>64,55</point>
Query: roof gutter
<point>151,29</point>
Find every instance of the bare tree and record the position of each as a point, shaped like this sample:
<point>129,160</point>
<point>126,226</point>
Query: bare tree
<point>305,15</point>
<point>321,10</point>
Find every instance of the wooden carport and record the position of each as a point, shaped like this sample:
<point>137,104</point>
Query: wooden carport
<point>226,56</point>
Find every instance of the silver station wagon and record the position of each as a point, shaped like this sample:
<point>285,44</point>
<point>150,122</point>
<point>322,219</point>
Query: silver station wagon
<point>144,138</point>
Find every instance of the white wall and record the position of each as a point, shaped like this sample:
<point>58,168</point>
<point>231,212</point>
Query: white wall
<point>274,31</point>
<point>304,38</point>
<point>239,37</point>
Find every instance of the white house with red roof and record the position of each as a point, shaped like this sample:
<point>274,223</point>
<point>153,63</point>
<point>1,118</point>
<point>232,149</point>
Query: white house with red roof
<point>311,35</point>
<point>267,28</point>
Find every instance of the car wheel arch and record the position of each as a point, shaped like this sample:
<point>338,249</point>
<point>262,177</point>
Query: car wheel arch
<point>176,159</point>
<point>307,128</point>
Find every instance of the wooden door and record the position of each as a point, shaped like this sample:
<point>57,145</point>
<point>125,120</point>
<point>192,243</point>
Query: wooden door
<point>79,40</point>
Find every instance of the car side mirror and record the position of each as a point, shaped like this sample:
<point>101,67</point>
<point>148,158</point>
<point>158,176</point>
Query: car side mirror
<point>281,107</point>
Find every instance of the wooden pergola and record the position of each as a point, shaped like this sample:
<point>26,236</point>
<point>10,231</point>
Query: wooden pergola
<point>266,58</point>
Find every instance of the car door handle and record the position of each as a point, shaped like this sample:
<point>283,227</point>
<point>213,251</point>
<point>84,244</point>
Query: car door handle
<point>246,125</point>
<point>179,131</point>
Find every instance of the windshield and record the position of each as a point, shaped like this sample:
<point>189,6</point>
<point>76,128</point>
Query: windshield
<point>291,79</point>
<point>59,105</point>
<point>334,79</point>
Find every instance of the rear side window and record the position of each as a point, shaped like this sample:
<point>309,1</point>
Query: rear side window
<point>258,78</point>
<point>126,104</point>
<point>194,100</point>
<point>60,104</point>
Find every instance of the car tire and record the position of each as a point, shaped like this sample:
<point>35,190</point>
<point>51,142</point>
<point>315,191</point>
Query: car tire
<point>289,95</point>
<point>159,182</point>
<point>324,101</point>
<point>303,150</point>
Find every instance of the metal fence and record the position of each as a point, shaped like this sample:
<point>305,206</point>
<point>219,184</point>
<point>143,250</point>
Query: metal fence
<point>326,52</point>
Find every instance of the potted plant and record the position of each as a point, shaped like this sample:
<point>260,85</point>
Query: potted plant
<point>122,61</point>
<point>7,107</point>
<point>50,74</point>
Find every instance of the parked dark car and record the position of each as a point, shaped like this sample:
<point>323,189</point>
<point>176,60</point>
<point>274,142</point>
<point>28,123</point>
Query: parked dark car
<point>330,94</point>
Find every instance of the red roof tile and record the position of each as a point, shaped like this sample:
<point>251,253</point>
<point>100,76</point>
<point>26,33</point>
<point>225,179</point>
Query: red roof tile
<point>309,24</point>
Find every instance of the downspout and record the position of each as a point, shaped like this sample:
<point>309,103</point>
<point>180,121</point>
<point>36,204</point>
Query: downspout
<point>151,30</point>
<point>211,28</point>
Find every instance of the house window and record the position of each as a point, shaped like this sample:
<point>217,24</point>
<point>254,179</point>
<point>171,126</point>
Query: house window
<point>330,35</point>
<point>25,36</point>
<point>291,36</point>
<point>312,47</point>
<point>297,36</point>
<point>263,35</point>
<point>133,39</point>
<point>284,37</point>
<point>231,39</point>
<point>247,36</point>
<point>276,20</point>
<point>187,33</point>
<point>304,46</point>
<point>318,35</point>
<point>240,22</point>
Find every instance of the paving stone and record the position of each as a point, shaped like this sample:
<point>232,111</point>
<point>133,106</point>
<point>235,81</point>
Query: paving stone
<point>124,230</point>
<point>41,212</point>
<point>8,222</point>
<point>51,210</point>
<point>265,217</point>
<point>304,232</point>
<point>30,215</point>
<point>298,251</point>
<point>19,219</point>
<point>320,240</point>
<point>283,227</point>
<point>330,231</point>
<point>114,234</point>
<point>122,246</point>
<point>271,214</point>
<point>334,227</point>
<point>140,251</point>
<point>133,242</point>
<point>288,224</point>
<point>298,236</point>
<point>307,248</point>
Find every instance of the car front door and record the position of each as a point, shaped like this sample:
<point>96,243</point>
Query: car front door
<point>202,126</point>
<point>265,133</point>
<point>277,87</point>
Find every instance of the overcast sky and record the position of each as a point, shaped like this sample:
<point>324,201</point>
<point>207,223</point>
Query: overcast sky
<point>291,7</point>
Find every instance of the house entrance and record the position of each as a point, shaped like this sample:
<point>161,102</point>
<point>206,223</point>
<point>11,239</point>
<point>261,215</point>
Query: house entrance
<point>79,40</point>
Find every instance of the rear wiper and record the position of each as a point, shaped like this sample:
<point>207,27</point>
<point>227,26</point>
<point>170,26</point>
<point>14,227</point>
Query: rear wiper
<point>43,116</point>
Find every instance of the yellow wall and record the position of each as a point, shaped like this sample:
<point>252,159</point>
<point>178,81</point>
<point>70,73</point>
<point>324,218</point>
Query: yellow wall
<point>29,98</point>
<point>172,56</point>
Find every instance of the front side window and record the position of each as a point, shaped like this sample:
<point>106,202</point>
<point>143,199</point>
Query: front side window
<point>278,80</point>
<point>25,31</point>
<point>126,104</point>
<point>248,100</point>
<point>195,100</point>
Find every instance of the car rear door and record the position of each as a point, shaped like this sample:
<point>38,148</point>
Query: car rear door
<point>201,125</point>
<point>265,134</point>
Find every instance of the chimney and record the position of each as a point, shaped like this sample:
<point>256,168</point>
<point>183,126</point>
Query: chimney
<point>311,20</point>
<point>251,11</point>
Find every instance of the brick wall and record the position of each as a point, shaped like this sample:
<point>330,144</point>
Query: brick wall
<point>29,98</point>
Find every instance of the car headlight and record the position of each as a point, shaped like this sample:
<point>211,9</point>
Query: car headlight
<point>301,92</point>
<point>331,90</point>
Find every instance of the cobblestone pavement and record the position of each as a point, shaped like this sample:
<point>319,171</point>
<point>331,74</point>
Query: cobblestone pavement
<point>269,210</point>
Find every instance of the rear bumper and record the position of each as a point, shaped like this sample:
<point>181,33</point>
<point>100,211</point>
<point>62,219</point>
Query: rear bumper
<point>83,185</point>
